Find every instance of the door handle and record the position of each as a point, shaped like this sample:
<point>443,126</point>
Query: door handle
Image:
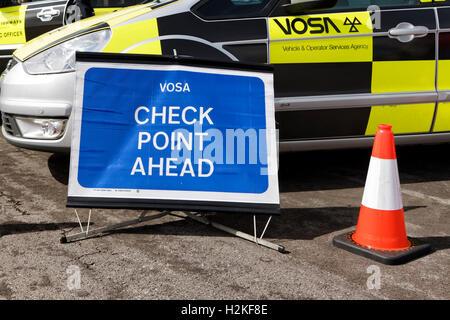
<point>406,32</point>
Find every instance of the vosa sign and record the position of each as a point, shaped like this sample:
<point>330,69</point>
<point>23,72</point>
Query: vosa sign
<point>156,132</point>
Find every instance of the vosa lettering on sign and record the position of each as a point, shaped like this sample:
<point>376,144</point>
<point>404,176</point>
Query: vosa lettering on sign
<point>161,135</point>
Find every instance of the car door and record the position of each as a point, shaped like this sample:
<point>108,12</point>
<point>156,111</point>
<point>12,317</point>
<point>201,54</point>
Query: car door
<point>218,29</point>
<point>442,120</point>
<point>340,72</point>
<point>43,16</point>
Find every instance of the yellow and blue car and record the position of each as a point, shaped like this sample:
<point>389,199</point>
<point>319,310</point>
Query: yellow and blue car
<point>23,20</point>
<point>340,67</point>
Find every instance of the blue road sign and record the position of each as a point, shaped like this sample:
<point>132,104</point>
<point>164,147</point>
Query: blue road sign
<point>153,133</point>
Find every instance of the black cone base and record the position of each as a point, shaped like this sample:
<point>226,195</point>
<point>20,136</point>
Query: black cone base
<point>418,249</point>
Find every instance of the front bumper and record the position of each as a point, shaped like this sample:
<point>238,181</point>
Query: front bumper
<point>47,96</point>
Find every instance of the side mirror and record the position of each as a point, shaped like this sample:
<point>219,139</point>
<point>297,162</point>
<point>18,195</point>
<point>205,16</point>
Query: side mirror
<point>300,6</point>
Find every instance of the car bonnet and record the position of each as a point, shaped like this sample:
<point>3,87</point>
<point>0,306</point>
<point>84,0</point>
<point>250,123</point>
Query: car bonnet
<point>81,27</point>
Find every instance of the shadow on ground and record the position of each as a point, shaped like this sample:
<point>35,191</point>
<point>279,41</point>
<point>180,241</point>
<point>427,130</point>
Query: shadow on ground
<point>58,164</point>
<point>308,171</point>
<point>335,169</point>
<point>341,169</point>
<point>9,228</point>
<point>295,224</point>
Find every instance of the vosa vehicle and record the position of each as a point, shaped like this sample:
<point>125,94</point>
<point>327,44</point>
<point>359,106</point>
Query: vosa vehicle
<point>340,67</point>
<point>23,20</point>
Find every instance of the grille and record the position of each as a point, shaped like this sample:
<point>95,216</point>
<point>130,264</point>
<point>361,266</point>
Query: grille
<point>10,125</point>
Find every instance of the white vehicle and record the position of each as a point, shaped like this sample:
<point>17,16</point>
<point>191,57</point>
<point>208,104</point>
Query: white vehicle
<point>341,67</point>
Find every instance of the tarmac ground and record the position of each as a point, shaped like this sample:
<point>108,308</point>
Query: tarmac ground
<point>176,258</point>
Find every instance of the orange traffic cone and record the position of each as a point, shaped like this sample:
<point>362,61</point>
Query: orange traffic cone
<point>380,232</point>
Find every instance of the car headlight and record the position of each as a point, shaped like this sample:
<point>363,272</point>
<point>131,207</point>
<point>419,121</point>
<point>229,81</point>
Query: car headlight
<point>61,58</point>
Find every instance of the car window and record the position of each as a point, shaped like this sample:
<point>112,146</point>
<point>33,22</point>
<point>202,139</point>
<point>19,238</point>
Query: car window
<point>353,5</point>
<point>436,2</point>
<point>11,3</point>
<point>227,9</point>
<point>362,4</point>
<point>114,3</point>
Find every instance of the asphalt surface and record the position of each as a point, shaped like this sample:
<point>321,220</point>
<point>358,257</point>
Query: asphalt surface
<point>175,258</point>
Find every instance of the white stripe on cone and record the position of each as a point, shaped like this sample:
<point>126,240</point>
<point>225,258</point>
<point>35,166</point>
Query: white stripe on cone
<point>382,190</point>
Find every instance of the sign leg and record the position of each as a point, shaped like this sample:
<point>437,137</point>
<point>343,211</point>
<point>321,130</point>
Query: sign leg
<point>86,234</point>
<point>238,233</point>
